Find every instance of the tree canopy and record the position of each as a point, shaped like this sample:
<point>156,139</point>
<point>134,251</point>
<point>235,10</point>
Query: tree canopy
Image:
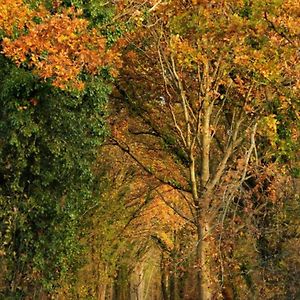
<point>149,149</point>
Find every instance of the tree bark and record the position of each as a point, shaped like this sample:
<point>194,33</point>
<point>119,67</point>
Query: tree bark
<point>163,279</point>
<point>204,276</point>
<point>101,291</point>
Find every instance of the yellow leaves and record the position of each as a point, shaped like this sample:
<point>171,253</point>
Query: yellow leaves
<point>243,56</point>
<point>114,72</point>
<point>63,38</point>
<point>242,60</point>
<point>180,45</point>
<point>284,103</point>
<point>174,41</point>
<point>186,53</point>
<point>287,17</point>
<point>15,15</point>
<point>268,128</point>
<point>166,239</point>
<point>161,210</point>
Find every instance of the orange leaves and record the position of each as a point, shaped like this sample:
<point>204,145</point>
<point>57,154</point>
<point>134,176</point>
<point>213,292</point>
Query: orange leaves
<point>286,18</point>
<point>60,47</point>
<point>160,214</point>
<point>14,15</point>
<point>166,200</point>
<point>272,183</point>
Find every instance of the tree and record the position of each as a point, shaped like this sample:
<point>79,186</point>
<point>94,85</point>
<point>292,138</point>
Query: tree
<point>51,128</point>
<point>219,67</point>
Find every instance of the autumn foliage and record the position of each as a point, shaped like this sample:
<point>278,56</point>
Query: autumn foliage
<point>196,191</point>
<point>59,46</point>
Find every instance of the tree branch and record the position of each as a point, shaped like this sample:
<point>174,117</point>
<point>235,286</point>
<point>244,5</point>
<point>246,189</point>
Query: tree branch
<point>124,147</point>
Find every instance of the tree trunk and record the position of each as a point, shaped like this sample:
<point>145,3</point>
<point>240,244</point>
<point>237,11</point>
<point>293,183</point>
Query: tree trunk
<point>163,278</point>
<point>174,274</point>
<point>173,286</point>
<point>137,283</point>
<point>121,288</point>
<point>204,276</point>
<point>101,291</point>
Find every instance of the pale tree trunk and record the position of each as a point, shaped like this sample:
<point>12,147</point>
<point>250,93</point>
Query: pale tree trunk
<point>101,292</point>
<point>102,279</point>
<point>137,283</point>
<point>205,287</point>
<point>173,285</point>
<point>110,292</point>
<point>195,129</point>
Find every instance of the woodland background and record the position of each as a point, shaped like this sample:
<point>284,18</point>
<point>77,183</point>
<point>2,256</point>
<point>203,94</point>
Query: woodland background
<point>149,149</point>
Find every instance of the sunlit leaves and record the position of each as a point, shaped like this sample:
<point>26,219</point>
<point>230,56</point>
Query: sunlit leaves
<point>59,47</point>
<point>14,16</point>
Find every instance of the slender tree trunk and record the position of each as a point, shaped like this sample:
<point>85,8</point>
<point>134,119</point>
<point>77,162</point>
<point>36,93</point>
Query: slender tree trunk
<point>173,283</point>
<point>110,292</point>
<point>121,290</point>
<point>174,274</point>
<point>101,285</point>
<point>163,279</point>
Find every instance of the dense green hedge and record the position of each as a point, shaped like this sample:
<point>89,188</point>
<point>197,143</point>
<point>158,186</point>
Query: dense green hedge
<point>48,141</point>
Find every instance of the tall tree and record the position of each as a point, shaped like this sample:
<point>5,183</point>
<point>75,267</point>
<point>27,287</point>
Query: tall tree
<point>216,67</point>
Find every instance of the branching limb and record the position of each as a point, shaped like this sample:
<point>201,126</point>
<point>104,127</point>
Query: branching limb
<point>124,147</point>
<point>174,208</point>
<point>183,102</point>
<point>228,152</point>
<point>179,130</point>
<point>279,32</point>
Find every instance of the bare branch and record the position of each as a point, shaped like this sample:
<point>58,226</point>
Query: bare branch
<point>281,33</point>
<point>177,126</point>
<point>228,152</point>
<point>170,105</point>
<point>155,5</point>
<point>249,152</point>
<point>183,102</point>
<point>189,203</point>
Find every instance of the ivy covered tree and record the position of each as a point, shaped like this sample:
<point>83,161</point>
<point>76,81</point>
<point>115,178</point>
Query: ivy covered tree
<point>48,143</point>
<point>52,122</point>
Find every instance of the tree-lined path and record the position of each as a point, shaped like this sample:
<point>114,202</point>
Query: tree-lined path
<point>149,149</point>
